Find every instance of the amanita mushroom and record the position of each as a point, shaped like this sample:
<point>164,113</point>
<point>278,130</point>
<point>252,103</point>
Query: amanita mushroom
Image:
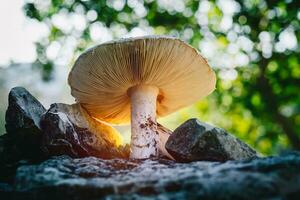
<point>139,79</point>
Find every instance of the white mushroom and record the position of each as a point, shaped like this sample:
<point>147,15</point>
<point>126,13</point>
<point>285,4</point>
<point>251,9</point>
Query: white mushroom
<point>139,79</point>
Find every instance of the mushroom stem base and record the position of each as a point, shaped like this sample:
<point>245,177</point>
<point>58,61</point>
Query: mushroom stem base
<point>144,135</point>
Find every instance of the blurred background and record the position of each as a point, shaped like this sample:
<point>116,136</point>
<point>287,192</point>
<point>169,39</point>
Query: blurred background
<point>253,45</point>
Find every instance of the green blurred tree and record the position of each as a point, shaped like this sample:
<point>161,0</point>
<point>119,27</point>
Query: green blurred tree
<point>251,44</point>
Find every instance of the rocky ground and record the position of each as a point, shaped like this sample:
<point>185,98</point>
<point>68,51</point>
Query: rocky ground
<point>60,153</point>
<point>93,178</point>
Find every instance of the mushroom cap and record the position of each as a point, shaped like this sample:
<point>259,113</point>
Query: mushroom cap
<point>102,76</point>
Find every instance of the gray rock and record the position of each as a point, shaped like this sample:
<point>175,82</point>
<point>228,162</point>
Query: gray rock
<point>67,132</point>
<point>92,178</point>
<point>163,134</point>
<point>23,137</point>
<point>23,113</point>
<point>195,140</point>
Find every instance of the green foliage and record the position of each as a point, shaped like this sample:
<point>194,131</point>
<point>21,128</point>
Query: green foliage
<point>260,105</point>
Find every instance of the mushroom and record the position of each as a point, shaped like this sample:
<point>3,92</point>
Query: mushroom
<point>139,79</point>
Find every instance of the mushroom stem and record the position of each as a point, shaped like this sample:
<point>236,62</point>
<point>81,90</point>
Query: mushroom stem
<point>144,136</point>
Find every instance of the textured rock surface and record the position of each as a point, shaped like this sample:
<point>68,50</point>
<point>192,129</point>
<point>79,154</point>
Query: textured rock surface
<point>92,178</point>
<point>163,134</point>
<point>67,132</point>
<point>23,112</point>
<point>22,125</point>
<point>195,140</point>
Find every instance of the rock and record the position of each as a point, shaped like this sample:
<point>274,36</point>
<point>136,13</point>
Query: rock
<point>23,137</point>
<point>163,134</point>
<point>195,140</point>
<point>23,113</point>
<point>69,130</point>
<point>92,178</point>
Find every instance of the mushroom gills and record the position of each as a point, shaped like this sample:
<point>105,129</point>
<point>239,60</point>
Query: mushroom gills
<point>144,135</point>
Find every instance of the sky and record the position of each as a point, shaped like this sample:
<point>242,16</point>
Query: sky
<point>17,34</point>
